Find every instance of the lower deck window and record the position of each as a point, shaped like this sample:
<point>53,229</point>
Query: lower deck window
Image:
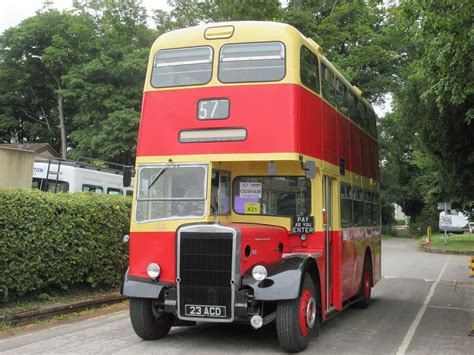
<point>272,195</point>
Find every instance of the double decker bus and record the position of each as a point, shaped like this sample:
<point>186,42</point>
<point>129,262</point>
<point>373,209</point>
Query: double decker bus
<point>257,185</point>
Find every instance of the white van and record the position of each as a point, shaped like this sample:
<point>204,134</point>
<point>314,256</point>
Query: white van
<point>76,176</point>
<point>453,221</point>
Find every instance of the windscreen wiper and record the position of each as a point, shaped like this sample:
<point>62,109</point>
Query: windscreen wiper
<point>160,173</point>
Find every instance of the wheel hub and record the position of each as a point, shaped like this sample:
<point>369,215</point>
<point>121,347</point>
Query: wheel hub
<point>307,316</point>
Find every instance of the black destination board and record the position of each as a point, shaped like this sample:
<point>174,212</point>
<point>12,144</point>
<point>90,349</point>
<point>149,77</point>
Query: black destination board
<point>302,224</point>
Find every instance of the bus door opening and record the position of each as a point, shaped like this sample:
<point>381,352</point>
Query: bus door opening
<point>328,243</point>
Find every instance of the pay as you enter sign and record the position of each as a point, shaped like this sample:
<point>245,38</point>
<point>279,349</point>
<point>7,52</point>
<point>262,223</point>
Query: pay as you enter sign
<point>302,224</point>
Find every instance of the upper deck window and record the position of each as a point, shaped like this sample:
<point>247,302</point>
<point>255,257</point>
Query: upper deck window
<point>309,69</point>
<point>182,66</point>
<point>252,62</point>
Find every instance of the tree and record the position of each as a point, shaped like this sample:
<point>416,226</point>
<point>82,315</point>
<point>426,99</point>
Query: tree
<point>187,13</point>
<point>355,37</point>
<point>34,57</point>
<point>437,97</point>
<point>108,88</point>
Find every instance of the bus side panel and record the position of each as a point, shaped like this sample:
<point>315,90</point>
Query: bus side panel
<point>310,123</point>
<point>377,255</point>
<point>344,142</point>
<point>329,130</point>
<point>348,259</point>
<point>356,150</point>
<point>337,268</point>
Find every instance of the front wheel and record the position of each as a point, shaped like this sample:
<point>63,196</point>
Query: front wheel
<point>297,320</point>
<point>147,321</point>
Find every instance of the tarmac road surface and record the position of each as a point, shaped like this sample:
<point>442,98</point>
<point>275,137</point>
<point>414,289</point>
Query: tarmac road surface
<point>423,305</point>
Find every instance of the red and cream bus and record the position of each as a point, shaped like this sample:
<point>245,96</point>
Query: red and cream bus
<point>257,185</point>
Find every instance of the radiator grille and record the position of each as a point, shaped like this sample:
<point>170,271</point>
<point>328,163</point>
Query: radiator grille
<point>205,270</point>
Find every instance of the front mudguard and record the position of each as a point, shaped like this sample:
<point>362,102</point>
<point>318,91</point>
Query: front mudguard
<point>141,288</point>
<point>284,278</point>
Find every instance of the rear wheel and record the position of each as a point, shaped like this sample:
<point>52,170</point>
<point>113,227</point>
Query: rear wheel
<point>297,320</point>
<point>365,285</point>
<point>148,322</point>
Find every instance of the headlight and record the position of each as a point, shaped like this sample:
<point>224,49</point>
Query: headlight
<point>259,272</point>
<point>153,270</point>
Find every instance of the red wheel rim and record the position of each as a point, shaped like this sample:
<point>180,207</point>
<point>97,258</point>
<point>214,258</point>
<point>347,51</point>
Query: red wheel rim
<point>366,282</point>
<point>307,314</point>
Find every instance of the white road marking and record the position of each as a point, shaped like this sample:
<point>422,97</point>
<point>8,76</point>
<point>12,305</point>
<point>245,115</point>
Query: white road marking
<point>411,331</point>
<point>390,277</point>
<point>453,308</point>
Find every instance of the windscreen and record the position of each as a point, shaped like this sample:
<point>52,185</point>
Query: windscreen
<point>175,192</point>
<point>182,66</point>
<point>272,195</point>
<point>252,62</point>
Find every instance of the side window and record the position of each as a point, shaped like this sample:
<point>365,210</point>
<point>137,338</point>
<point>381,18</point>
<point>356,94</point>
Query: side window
<point>362,110</point>
<point>367,220</point>
<point>353,113</point>
<point>372,123</point>
<point>62,186</point>
<point>220,192</point>
<point>309,71</point>
<point>129,192</point>
<point>375,210</point>
<point>358,207</point>
<point>328,85</point>
<point>114,191</point>
<point>341,92</point>
<point>346,206</point>
<point>92,188</point>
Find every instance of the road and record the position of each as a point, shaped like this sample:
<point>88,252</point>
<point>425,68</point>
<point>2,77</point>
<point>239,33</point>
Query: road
<point>423,305</point>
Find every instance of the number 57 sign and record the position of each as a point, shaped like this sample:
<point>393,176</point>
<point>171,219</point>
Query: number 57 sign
<point>213,109</point>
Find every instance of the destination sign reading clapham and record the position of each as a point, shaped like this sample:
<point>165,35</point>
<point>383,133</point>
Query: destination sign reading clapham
<point>302,224</point>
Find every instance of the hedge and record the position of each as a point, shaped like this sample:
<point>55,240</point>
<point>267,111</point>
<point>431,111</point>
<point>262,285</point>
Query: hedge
<point>60,241</point>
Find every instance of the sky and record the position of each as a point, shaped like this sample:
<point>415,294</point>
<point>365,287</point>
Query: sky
<point>12,12</point>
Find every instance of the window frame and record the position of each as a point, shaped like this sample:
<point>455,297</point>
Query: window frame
<point>183,48</point>
<point>205,166</point>
<point>101,188</point>
<point>270,176</point>
<point>258,81</point>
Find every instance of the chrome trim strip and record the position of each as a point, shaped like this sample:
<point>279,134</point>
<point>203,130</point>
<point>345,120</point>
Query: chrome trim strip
<point>211,228</point>
<point>307,255</point>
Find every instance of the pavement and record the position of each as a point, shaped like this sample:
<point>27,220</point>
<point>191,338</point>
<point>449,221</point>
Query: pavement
<point>423,305</point>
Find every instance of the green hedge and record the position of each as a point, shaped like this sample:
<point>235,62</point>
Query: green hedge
<point>60,241</point>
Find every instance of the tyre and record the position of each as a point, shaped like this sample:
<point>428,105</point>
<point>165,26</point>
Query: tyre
<point>147,321</point>
<point>365,285</point>
<point>299,319</point>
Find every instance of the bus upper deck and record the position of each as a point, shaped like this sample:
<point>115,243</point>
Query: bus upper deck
<point>265,91</point>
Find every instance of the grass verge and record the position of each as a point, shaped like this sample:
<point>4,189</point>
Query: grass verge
<point>35,302</point>
<point>456,242</point>
<point>7,329</point>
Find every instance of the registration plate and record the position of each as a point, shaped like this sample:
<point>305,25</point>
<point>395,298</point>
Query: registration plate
<point>194,310</point>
